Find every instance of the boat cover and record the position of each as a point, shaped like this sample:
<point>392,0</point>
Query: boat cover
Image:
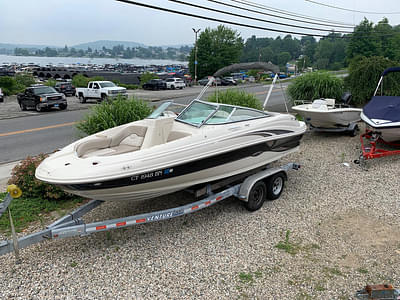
<point>383,108</point>
<point>390,70</point>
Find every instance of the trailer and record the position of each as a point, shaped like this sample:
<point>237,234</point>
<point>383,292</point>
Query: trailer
<point>251,188</point>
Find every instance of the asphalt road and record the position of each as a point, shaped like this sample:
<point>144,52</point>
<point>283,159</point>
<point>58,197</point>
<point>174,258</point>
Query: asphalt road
<point>45,132</point>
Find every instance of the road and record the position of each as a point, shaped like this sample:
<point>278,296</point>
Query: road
<point>36,133</point>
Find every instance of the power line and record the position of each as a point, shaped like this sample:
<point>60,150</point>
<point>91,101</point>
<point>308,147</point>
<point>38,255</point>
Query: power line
<point>353,10</point>
<point>256,19</point>
<point>276,16</point>
<point>353,35</point>
<point>281,11</point>
<point>216,20</point>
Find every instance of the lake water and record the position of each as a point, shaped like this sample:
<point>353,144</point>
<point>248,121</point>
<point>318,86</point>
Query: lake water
<point>42,61</point>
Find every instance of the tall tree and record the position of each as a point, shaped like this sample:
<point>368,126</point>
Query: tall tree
<point>216,48</point>
<point>363,41</point>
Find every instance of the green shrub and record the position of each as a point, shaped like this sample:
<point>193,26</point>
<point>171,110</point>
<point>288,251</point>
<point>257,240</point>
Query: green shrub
<point>23,175</point>
<point>82,81</point>
<point>364,74</point>
<point>51,82</point>
<point>10,86</point>
<point>316,85</point>
<point>236,97</point>
<point>129,86</point>
<point>147,77</point>
<point>25,79</point>
<point>113,113</point>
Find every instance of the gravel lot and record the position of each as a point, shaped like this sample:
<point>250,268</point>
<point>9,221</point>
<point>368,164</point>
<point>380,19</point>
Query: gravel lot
<point>343,223</point>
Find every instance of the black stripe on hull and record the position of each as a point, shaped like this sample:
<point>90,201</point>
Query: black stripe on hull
<point>279,145</point>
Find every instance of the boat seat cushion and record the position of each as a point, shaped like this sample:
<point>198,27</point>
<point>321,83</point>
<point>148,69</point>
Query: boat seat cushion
<point>139,131</point>
<point>92,145</point>
<point>319,104</point>
<point>133,140</point>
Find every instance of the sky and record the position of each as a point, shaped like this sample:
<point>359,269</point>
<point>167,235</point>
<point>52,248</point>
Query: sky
<point>70,22</point>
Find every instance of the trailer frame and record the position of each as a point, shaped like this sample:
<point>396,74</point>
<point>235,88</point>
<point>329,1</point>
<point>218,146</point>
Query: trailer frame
<point>73,225</point>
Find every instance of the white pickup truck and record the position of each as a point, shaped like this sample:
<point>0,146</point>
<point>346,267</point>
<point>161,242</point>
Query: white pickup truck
<point>99,90</point>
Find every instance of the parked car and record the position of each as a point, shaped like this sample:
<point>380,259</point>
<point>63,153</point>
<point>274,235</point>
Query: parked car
<point>155,84</point>
<point>1,96</point>
<point>99,90</point>
<point>66,88</point>
<point>230,80</point>
<point>41,97</point>
<point>204,81</point>
<point>175,83</point>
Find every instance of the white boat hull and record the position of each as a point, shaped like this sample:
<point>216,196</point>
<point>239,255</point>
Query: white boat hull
<point>388,132</point>
<point>332,118</point>
<point>166,186</point>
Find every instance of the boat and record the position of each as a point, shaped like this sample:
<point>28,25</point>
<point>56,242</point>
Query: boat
<point>382,113</point>
<point>168,152</point>
<point>327,115</point>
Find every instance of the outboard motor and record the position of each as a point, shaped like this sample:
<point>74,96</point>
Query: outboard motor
<point>346,98</point>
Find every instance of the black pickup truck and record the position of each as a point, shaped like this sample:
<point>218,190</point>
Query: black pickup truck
<point>41,98</point>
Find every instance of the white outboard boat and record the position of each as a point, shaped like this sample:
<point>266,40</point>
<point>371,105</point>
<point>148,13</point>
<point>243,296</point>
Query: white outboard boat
<point>326,115</point>
<point>165,153</point>
<point>382,113</point>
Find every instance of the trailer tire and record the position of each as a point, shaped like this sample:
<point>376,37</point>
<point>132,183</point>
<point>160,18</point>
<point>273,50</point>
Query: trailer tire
<point>275,184</point>
<point>257,196</point>
<point>355,131</point>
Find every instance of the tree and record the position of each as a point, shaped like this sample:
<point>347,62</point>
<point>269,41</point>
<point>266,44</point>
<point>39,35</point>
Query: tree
<point>216,48</point>
<point>363,41</point>
<point>364,73</point>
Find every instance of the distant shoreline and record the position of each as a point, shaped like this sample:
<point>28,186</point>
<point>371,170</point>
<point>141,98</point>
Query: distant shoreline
<point>44,60</point>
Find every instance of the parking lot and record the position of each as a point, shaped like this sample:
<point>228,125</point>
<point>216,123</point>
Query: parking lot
<point>10,108</point>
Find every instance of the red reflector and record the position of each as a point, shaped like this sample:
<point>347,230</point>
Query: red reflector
<point>218,198</point>
<point>195,207</point>
<point>208,203</point>
<point>121,224</point>
<point>101,227</point>
<point>141,221</point>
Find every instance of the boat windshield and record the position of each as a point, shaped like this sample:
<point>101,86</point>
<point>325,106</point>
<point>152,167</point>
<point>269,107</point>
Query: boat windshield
<point>199,113</point>
<point>167,109</point>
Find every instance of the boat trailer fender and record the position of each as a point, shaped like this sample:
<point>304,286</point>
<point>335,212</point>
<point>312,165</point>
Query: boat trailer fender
<point>250,181</point>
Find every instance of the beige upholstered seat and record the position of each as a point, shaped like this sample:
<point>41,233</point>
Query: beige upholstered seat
<point>127,139</point>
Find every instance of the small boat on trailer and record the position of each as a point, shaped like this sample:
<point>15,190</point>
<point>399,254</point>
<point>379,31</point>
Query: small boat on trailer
<point>382,118</point>
<point>328,116</point>
<point>165,153</point>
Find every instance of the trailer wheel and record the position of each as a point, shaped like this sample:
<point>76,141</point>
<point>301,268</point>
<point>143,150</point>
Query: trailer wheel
<point>275,185</point>
<point>355,131</point>
<point>256,196</point>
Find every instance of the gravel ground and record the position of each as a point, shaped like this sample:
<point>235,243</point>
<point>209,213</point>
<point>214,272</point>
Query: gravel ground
<point>344,234</point>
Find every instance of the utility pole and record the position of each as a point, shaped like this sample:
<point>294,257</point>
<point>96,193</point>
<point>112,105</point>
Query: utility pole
<point>195,54</point>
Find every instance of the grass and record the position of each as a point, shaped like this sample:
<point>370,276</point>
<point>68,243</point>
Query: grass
<point>362,270</point>
<point>288,246</point>
<point>25,211</point>
<point>246,277</point>
<point>332,271</point>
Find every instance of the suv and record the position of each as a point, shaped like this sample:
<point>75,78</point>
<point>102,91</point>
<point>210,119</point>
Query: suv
<point>41,97</point>
<point>66,88</point>
<point>175,83</point>
<point>155,84</point>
